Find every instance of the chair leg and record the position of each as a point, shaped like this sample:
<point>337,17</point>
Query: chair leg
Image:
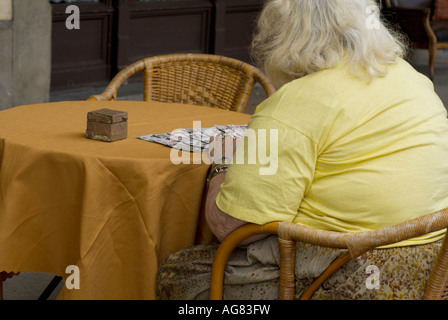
<point>437,284</point>
<point>338,263</point>
<point>432,58</point>
<point>3,276</point>
<point>287,250</point>
<point>50,288</point>
<point>225,249</point>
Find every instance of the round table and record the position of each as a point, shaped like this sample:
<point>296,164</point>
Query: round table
<point>113,210</point>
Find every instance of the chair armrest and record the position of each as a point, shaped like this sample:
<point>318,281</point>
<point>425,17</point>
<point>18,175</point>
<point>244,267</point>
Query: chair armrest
<point>265,83</point>
<point>100,97</point>
<point>360,242</point>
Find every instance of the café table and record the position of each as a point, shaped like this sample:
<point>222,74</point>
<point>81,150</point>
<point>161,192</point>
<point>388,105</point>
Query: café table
<point>114,210</point>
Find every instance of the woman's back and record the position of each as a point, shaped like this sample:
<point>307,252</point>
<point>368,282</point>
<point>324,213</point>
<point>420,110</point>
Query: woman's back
<point>369,154</point>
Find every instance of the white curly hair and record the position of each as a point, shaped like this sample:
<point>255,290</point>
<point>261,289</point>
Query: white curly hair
<point>295,38</point>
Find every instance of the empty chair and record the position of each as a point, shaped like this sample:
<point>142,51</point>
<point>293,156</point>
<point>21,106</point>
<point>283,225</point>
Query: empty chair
<point>425,22</point>
<point>197,79</point>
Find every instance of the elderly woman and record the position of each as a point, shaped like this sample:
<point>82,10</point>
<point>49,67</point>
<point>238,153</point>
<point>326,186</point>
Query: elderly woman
<point>362,144</point>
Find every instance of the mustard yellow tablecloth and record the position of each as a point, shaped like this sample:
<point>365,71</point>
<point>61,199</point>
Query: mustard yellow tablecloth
<point>114,210</point>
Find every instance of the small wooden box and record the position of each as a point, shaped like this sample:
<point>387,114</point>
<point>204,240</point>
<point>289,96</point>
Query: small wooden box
<point>107,125</point>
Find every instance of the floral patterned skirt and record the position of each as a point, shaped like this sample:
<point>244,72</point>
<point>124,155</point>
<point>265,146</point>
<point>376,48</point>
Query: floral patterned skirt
<point>252,272</point>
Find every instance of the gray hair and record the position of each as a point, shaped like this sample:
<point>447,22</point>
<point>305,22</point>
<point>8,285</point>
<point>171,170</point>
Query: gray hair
<point>295,38</point>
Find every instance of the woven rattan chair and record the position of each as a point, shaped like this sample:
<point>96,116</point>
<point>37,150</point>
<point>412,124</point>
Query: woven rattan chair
<point>356,243</point>
<point>416,19</point>
<point>198,79</point>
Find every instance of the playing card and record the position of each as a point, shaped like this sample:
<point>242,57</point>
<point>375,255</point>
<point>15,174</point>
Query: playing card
<point>197,139</point>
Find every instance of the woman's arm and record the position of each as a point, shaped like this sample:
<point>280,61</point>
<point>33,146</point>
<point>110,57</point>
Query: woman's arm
<point>220,223</point>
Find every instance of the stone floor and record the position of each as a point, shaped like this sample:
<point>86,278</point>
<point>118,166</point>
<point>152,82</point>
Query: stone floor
<point>30,286</point>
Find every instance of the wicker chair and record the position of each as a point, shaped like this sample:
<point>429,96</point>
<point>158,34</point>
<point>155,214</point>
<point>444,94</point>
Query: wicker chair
<point>415,18</point>
<point>198,79</point>
<point>356,243</point>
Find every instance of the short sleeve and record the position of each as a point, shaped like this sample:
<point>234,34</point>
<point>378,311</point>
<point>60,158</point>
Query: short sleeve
<point>270,174</point>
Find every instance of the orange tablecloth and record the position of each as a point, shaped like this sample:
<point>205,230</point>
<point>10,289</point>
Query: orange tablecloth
<point>114,210</point>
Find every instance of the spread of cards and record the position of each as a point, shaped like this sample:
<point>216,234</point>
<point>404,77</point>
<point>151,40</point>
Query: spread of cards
<point>196,139</point>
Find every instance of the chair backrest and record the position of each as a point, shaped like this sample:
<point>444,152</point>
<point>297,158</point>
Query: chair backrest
<point>356,243</point>
<point>412,18</point>
<point>198,79</point>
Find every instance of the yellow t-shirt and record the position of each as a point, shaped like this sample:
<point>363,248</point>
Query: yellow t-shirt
<point>352,155</point>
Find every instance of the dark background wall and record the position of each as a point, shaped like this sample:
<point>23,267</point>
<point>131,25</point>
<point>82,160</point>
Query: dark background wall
<point>115,33</point>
